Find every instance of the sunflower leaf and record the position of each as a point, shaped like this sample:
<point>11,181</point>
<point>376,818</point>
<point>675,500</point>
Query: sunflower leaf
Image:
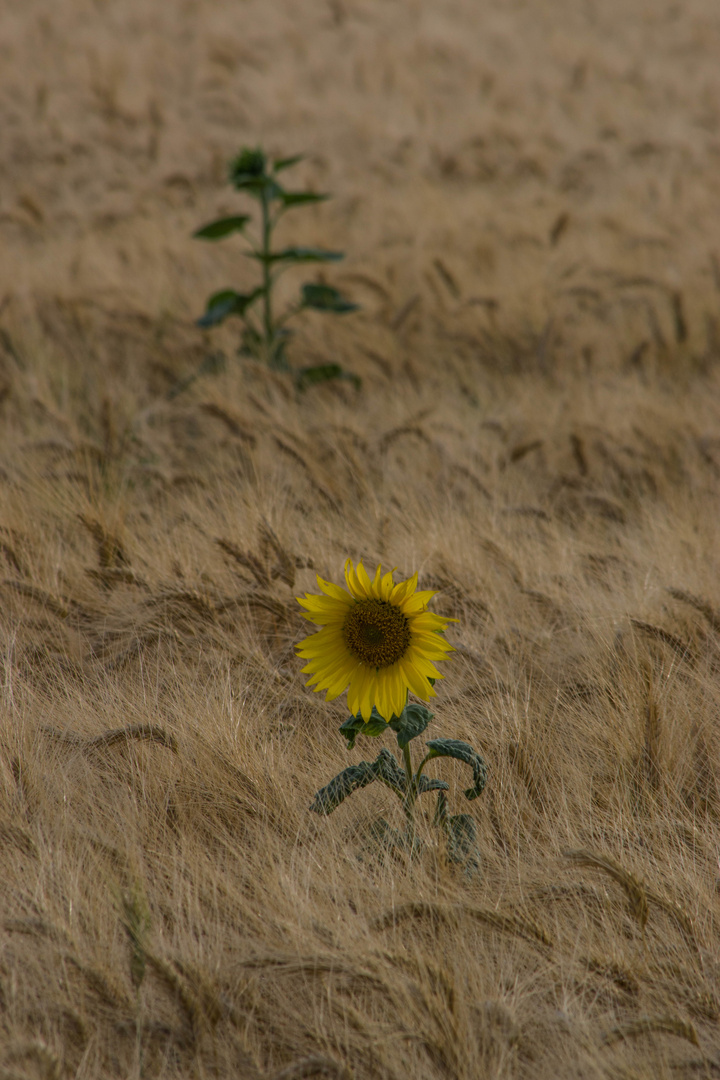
<point>454,748</point>
<point>296,255</point>
<point>216,230</point>
<point>248,173</point>
<point>325,298</point>
<point>285,163</point>
<point>461,840</point>
<point>381,840</point>
<point>441,814</point>
<point>431,783</point>
<point>300,198</point>
<point>351,779</point>
<point>390,772</point>
<point>382,836</point>
<point>224,303</point>
<point>384,768</point>
<point>355,725</point>
<point>411,722</point>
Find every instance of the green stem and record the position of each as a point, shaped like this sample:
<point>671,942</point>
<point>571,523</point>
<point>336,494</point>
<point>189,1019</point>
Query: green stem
<point>267,283</point>
<point>409,800</point>
<point>421,766</point>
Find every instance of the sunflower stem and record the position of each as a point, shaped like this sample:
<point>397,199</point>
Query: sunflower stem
<point>268,327</point>
<point>421,766</point>
<point>410,794</point>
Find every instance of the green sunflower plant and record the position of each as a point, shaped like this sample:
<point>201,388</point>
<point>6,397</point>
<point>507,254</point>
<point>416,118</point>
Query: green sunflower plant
<point>379,642</point>
<point>265,333</point>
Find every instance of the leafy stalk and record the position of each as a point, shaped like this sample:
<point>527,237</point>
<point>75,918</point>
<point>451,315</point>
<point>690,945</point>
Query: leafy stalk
<point>267,277</point>
<point>408,784</point>
<point>251,174</point>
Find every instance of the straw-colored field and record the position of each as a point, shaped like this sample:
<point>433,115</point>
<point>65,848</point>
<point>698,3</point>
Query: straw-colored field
<point>528,197</point>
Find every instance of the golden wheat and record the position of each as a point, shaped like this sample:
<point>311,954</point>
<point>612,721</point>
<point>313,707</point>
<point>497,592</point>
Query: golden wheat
<point>530,210</point>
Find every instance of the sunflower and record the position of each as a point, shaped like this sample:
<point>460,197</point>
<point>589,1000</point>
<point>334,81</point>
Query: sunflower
<point>378,641</point>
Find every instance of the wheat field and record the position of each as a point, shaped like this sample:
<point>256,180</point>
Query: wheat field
<point>528,201</point>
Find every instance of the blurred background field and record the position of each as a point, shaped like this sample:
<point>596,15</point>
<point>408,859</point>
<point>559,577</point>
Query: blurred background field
<point>528,200</point>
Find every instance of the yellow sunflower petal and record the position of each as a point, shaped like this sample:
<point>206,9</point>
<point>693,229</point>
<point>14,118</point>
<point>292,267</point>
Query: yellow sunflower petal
<point>364,579</point>
<point>329,670</point>
<point>359,683</point>
<point>424,666</point>
<point>327,612</point>
<point>351,580</point>
<point>370,695</point>
<point>320,642</point>
<point>428,620</point>
<point>386,586</point>
<point>383,701</point>
<point>431,645</point>
<point>397,689</point>
<point>324,642</point>
<point>415,680</point>
<point>335,591</point>
<point>363,647</point>
<point>417,602</point>
<point>403,589</point>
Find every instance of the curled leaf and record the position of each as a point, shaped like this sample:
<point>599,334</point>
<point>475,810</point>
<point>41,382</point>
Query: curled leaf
<point>431,783</point>
<point>355,725</point>
<point>412,722</point>
<point>455,748</point>
<point>384,768</point>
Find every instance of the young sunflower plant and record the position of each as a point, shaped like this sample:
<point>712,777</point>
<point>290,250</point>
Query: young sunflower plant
<point>379,642</point>
<point>265,336</point>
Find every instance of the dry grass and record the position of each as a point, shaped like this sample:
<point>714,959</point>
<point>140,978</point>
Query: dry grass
<point>537,433</point>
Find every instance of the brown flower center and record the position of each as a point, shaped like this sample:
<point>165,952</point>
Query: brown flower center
<point>376,632</point>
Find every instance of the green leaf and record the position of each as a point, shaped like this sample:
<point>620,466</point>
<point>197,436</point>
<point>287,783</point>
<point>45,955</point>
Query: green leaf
<point>381,839</point>
<point>454,748</point>
<point>431,783</point>
<point>248,163</point>
<point>224,303</point>
<point>257,186</point>
<point>355,725</point>
<point>351,729</point>
<point>382,833</point>
<point>412,722</point>
<point>248,173</point>
<point>325,298</point>
<point>300,198</point>
<point>440,816</point>
<point>390,772</point>
<point>351,779</point>
<point>222,227</point>
<point>297,255</point>
<point>384,768</point>
<point>461,840</point>
<point>310,376</point>
<point>285,163</point>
